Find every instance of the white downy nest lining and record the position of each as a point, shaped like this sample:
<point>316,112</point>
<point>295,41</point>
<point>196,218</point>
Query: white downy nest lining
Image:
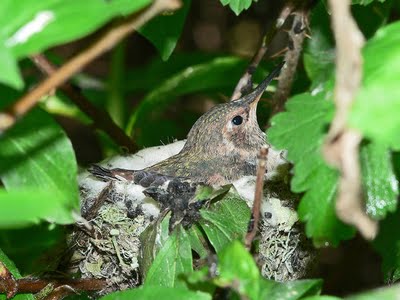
<point>112,248</point>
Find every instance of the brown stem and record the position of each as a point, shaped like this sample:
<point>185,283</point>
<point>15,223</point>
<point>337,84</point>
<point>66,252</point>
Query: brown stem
<point>11,286</point>
<point>109,39</point>
<point>245,82</point>
<point>32,285</point>
<point>101,119</point>
<point>296,37</point>
<point>253,224</point>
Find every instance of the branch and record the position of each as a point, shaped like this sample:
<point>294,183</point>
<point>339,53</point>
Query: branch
<point>253,224</point>
<point>58,288</point>
<point>296,36</point>
<point>341,148</point>
<point>245,82</point>
<point>101,119</point>
<point>108,40</point>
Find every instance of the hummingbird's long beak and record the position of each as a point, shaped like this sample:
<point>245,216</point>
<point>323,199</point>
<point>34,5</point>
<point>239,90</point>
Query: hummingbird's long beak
<point>255,95</point>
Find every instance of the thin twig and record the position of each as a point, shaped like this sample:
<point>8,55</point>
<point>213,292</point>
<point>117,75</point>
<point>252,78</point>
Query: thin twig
<point>253,224</point>
<point>245,82</point>
<point>296,36</point>
<point>341,148</point>
<point>101,119</point>
<point>108,40</point>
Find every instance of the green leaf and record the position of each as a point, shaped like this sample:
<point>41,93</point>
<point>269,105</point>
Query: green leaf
<point>292,290</point>
<point>386,293</point>
<point>378,100</point>
<point>365,2</point>
<point>174,258</point>
<point>380,182</point>
<point>143,79</point>
<point>37,165</point>
<point>31,26</point>
<point>317,209</point>
<point>14,271</point>
<point>238,270</point>
<point>164,31</point>
<point>387,244</point>
<point>31,206</point>
<point>152,239</point>
<point>217,220</point>
<point>10,74</point>
<point>370,18</point>
<point>197,241</point>
<point>200,77</point>
<point>319,51</point>
<point>200,281</point>
<point>157,292</point>
<point>323,297</point>
<point>238,6</point>
<point>301,130</point>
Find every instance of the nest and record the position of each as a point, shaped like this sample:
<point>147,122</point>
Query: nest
<point>285,253</point>
<point>117,213</point>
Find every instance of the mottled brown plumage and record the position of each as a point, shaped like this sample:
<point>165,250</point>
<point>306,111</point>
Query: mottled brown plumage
<point>222,146</point>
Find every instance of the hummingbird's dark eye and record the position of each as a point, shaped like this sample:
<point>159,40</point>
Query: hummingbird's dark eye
<point>237,120</point>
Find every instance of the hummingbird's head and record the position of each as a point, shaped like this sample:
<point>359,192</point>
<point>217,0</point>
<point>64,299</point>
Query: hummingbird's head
<point>230,128</point>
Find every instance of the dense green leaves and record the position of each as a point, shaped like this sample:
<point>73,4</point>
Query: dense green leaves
<point>238,5</point>
<point>164,31</point>
<point>31,26</point>
<point>37,165</point>
<point>375,112</point>
<point>301,131</point>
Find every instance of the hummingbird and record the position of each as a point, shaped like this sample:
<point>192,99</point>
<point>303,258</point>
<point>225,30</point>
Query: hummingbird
<point>221,147</point>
